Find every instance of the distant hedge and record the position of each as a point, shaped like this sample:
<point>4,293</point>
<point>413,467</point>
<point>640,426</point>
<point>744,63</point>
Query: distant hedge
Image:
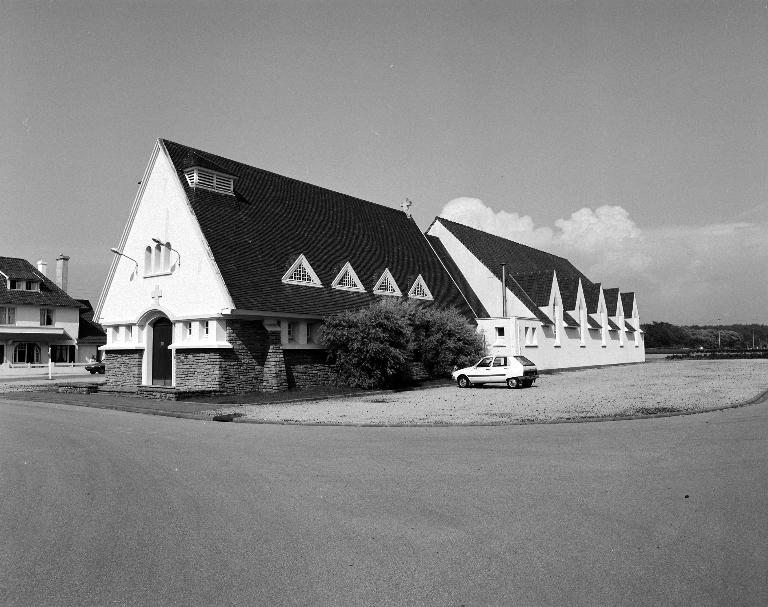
<point>375,346</point>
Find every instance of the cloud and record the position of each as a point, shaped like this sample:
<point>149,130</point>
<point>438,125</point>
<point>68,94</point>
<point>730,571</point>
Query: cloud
<point>680,273</point>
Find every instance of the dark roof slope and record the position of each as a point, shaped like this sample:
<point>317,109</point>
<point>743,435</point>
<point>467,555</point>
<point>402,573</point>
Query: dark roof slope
<point>89,331</point>
<point>611,301</point>
<point>627,299</point>
<point>592,296</point>
<point>493,250</point>
<point>257,234</point>
<point>538,286</point>
<point>48,295</point>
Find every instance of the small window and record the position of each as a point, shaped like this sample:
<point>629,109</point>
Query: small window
<point>46,317</point>
<point>26,353</point>
<point>291,331</point>
<point>313,332</point>
<point>499,332</point>
<point>386,285</point>
<point>206,328</point>
<point>16,285</point>
<point>188,327</point>
<point>129,332</point>
<point>347,280</point>
<point>148,260</point>
<point>301,273</point>
<point>419,289</point>
<point>7,316</point>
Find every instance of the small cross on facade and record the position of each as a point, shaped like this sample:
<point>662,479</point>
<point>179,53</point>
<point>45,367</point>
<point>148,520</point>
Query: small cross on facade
<point>157,294</point>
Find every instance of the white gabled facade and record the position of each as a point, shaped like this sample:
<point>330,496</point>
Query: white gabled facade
<point>149,281</point>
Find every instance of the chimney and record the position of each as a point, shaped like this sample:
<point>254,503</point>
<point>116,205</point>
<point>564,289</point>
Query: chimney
<point>42,267</point>
<point>62,271</point>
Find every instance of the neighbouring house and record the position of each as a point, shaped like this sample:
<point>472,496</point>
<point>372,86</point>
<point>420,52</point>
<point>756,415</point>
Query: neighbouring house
<point>224,273</point>
<point>537,304</point>
<point>39,321</point>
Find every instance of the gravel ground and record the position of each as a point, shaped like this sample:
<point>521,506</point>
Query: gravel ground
<point>658,386</point>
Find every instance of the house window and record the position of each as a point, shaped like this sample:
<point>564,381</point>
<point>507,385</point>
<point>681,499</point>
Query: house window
<point>148,260</point>
<point>129,332</point>
<point>26,353</point>
<point>198,177</point>
<point>7,316</point>
<point>188,328</point>
<point>291,332</point>
<point>499,335</point>
<point>14,284</point>
<point>206,328</point>
<point>313,332</point>
<point>46,317</point>
<point>157,265</point>
<point>63,354</point>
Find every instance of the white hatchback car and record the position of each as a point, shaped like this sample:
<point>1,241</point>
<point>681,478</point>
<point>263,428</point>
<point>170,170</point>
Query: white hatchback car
<point>515,371</point>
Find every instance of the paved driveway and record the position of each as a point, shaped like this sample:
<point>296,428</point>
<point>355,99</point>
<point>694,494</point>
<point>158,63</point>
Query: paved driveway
<point>104,507</point>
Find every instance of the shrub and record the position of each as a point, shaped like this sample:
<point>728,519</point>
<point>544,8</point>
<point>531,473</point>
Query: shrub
<point>370,347</point>
<point>374,347</point>
<point>442,339</point>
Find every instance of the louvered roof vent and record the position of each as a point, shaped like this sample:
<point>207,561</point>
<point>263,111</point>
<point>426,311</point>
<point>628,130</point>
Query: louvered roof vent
<point>200,177</point>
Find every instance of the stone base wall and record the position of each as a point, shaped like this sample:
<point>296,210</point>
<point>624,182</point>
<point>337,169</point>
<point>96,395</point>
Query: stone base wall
<point>123,368</point>
<point>199,369</point>
<point>241,369</point>
<point>307,368</point>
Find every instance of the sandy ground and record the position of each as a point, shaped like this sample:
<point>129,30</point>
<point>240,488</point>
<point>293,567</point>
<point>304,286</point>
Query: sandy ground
<point>653,387</point>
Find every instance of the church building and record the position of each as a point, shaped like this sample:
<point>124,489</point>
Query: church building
<point>224,273</point>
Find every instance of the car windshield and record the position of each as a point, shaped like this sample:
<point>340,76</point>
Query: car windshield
<point>524,361</point>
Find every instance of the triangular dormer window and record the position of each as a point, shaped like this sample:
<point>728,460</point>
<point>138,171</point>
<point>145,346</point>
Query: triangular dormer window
<point>386,285</point>
<point>198,177</point>
<point>347,280</point>
<point>301,273</point>
<point>419,289</point>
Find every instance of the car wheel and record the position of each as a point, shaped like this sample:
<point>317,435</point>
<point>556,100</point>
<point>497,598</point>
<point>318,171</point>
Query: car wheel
<point>463,381</point>
<point>512,382</point>
<point>93,371</point>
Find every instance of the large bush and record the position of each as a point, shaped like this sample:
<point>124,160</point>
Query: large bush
<point>443,339</point>
<point>370,347</point>
<point>375,346</point>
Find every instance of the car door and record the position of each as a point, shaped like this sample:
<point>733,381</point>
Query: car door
<point>479,373</point>
<point>498,369</point>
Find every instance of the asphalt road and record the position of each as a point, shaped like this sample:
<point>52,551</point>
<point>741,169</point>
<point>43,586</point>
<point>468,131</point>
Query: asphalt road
<point>110,508</point>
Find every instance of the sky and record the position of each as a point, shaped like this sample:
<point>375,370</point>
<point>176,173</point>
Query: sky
<point>629,137</point>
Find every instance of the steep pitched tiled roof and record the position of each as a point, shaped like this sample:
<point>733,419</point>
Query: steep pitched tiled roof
<point>48,295</point>
<point>611,301</point>
<point>627,299</point>
<point>569,290</point>
<point>257,234</point>
<point>493,250</point>
<point>592,296</point>
<point>538,286</point>
<point>523,296</point>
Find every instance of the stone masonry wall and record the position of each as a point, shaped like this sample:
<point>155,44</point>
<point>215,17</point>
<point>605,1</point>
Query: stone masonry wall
<point>199,369</point>
<point>241,369</point>
<point>123,368</point>
<point>307,368</point>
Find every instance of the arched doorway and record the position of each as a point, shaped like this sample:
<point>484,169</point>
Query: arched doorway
<point>162,332</point>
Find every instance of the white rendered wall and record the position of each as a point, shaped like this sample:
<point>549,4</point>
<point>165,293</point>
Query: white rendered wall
<point>194,288</point>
